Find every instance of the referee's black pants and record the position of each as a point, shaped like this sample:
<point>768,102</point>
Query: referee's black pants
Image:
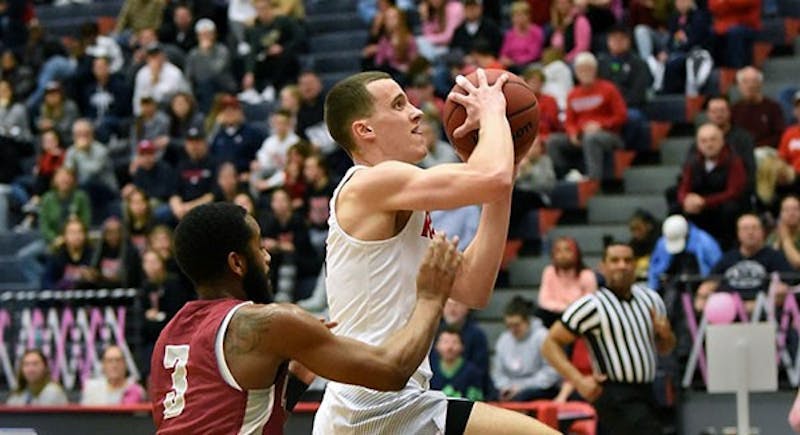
<point>627,409</point>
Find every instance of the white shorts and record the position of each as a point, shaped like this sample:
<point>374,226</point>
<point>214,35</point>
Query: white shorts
<point>355,410</point>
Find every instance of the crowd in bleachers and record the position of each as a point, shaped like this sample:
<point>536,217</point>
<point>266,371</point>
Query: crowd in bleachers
<point>108,138</point>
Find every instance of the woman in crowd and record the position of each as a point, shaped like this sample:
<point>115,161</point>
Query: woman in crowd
<point>571,32</point>
<point>522,43</point>
<point>70,266</point>
<point>138,218</point>
<point>116,260</point>
<point>114,387</point>
<point>564,281</point>
<point>61,201</point>
<point>34,383</point>
<point>440,19</point>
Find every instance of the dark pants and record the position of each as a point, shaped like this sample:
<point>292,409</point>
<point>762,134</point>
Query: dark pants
<point>627,409</point>
<point>720,222</point>
<point>734,48</point>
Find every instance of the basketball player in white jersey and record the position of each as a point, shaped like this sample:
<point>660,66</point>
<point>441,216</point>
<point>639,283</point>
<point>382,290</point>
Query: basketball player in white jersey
<point>379,230</point>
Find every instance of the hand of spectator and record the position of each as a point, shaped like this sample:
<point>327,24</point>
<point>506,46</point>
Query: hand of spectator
<point>575,140</point>
<point>275,50</point>
<point>663,56</point>
<point>661,326</point>
<point>592,127</point>
<point>693,203</point>
<point>286,246</point>
<point>479,100</point>
<point>508,393</point>
<point>590,386</point>
<point>161,142</point>
<point>248,81</point>
<point>369,50</point>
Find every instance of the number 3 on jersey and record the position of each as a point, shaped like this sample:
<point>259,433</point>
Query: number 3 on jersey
<point>176,357</point>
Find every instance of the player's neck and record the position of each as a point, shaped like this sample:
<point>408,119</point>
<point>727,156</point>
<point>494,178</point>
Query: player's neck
<point>218,291</point>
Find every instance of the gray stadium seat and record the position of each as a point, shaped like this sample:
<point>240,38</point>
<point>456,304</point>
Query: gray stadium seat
<point>674,149</point>
<point>500,298</point>
<point>590,237</point>
<point>608,209</point>
<point>650,179</point>
<point>338,41</point>
<point>527,271</point>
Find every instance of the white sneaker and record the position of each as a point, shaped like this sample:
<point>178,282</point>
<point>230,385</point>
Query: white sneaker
<point>575,176</point>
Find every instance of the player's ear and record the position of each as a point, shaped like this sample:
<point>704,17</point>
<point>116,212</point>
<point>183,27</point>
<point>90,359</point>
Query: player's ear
<point>237,264</point>
<point>362,129</point>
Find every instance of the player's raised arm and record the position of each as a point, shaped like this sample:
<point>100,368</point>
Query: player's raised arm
<point>288,332</point>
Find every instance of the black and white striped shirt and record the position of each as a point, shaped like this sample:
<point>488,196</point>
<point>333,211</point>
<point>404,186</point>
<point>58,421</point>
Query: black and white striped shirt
<point>619,332</point>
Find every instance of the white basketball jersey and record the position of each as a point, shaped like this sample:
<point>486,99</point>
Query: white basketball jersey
<point>371,289</point>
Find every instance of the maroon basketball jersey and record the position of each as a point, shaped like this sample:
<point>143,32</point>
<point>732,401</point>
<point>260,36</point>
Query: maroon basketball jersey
<point>192,389</point>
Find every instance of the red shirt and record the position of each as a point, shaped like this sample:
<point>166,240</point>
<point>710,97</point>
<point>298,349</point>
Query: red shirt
<point>600,102</point>
<point>789,149</point>
<point>548,116</point>
<point>189,390</point>
<point>729,13</point>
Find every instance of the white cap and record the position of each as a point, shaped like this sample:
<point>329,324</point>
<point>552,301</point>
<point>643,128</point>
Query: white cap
<point>204,25</point>
<point>675,231</point>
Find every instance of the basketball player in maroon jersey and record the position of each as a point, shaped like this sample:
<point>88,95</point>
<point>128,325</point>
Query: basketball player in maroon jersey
<point>220,365</point>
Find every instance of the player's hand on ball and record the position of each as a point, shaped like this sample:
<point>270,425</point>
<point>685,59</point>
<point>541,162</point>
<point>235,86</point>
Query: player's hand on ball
<point>438,269</point>
<point>479,101</point>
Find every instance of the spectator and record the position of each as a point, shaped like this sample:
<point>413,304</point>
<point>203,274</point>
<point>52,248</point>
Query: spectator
<point>735,27</point>
<point>158,78</point>
<point>13,116</point>
<point>208,65</point>
<point>34,383</point>
<point>114,387</point>
<point>456,316</point>
<point>19,75</point>
<point>558,77</point>
<point>274,46</point>
<point>138,216</point>
<point>60,202</point>
<point>195,175</point>
<point>317,200</point>
<point>179,32</point>
<point>396,49</point>
<point>57,112</point>
<point>747,269</point>
<point>536,179</point>
<point>649,21</point>
<point>440,19</point>
<point>481,56</point>
<point>564,281</point>
<point>756,113</point>
<point>632,78</point>
<point>235,141</point>
<point>140,14</point>
<point>152,125</point>
<point>682,249</point>
<point>549,120</point>
<point>476,25</point>
<point>689,33</point>
<point>160,240</point>
<point>571,31</point>
<point>624,370</point>
<point>90,161</point>
<point>789,149</point>
<point>519,371</point>
<point>596,113</point>
<point>439,151</point>
<point>163,294</point>
<point>105,100</point>
<point>786,236</point>
<point>116,261</point>
<point>183,114</point>
<point>241,15</point>
<point>227,183</point>
<point>101,46</point>
<point>422,94</point>
<point>285,237</point>
<point>712,185</point>
<point>70,265</point>
<point>522,43</point>
<point>47,163</point>
<point>310,112</point>
<point>267,169</point>
<point>644,234</point>
<point>718,112</point>
<point>454,376</point>
<point>290,99</point>
<point>151,176</point>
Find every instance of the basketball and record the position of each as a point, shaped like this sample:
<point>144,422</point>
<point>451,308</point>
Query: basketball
<point>522,112</point>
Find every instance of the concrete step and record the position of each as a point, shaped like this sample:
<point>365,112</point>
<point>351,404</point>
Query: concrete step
<point>674,149</point>
<point>334,42</point>
<point>611,209</point>
<point>590,237</point>
<point>650,179</point>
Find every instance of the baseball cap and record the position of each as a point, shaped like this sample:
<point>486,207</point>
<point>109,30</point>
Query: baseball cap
<point>146,147</point>
<point>675,230</point>
<point>195,131</point>
<point>228,102</point>
<point>52,86</point>
<point>204,25</point>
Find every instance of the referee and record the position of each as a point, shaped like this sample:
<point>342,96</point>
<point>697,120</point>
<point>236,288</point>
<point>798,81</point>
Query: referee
<point>624,325</point>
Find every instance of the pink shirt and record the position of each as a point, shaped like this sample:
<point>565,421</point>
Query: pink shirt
<point>523,48</point>
<point>582,36</point>
<point>386,54</point>
<point>558,291</point>
<point>453,16</point>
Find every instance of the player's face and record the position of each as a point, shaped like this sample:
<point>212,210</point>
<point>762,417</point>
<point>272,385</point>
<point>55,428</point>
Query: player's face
<point>396,123</point>
<point>619,268</point>
<point>255,282</point>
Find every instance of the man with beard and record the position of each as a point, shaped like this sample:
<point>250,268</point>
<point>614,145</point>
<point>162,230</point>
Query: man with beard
<point>221,363</point>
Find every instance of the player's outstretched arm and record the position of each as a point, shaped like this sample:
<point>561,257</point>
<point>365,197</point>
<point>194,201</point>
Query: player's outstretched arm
<point>287,332</point>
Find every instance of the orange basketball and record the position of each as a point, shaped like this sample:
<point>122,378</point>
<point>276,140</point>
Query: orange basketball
<point>522,112</point>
